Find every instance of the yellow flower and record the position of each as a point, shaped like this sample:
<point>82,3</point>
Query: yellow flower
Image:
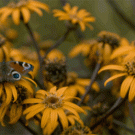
<point>53,105</point>
<point>97,50</point>
<point>22,8</point>
<point>77,130</point>
<point>81,17</point>
<point>128,70</point>
<point>14,94</point>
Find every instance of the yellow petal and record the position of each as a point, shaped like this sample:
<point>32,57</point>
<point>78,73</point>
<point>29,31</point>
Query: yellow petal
<point>34,112</point>
<point>32,100</point>
<point>61,91</point>
<point>1,89</point>
<point>42,92</point>
<point>71,110</point>
<point>30,80</point>
<point>121,51</point>
<point>14,92</point>
<point>82,25</point>
<point>35,9</point>
<point>17,116</point>
<point>114,77</point>
<point>13,111</point>
<point>3,9</point>
<point>26,14</point>
<point>125,86</point>
<point>76,107</point>
<point>89,19</point>
<point>132,91</point>
<point>45,117</point>
<point>54,116</point>
<point>8,94</point>
<point>67,7</point>
<point>112,67</point>
<point>16,16</point>
<point>71,120</point>
<point>63,118</point>
<point>6,14</point>
<point>40,5</point>
<point>31,108</point>
<point>53,90</point>
<point>78,120</point>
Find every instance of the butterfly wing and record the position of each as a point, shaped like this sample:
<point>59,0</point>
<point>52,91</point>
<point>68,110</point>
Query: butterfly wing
<point>21,67</point>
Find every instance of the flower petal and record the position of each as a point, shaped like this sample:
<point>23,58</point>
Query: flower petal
<point>112,67</point>
<point>14,92</point>
<point>6,14</point>
<point>26,14</point>
<point>16,16</point>
<point>63,118</point>
<point>61,91</point>
<point>114,77</point>
<point>45,117</point>
<point>132,91</point>
<point>125,86</point>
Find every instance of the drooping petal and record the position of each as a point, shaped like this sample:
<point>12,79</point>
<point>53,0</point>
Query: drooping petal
<point>125,86</point>
<point>82,25</point>
<point>14,92</point>
<point>45,117</point>
<point>40,5</point>
<point>111,67</point>
<point>54,116</point>
<point>76,107</point>
<point>132,91</point>
<point>71,110</point>
<point>33,107</point>
<point>32,100</point>
<point>77,119</point>
<point>114,77</point>
<point>71,120</point>
<point>1,89</point>
<point>13,111</point>
<point>35,9</point>
<point>8,94</point>
<point>63,118</point>
<point>27,78</point>
<point>26,14</point>
<point>6,14</point>
<point>17,115</point>
<point>34,112</point>
<point>16,16</point>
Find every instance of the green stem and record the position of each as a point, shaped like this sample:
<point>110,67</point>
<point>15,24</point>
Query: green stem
<point>94,75</point>
<point>41,78</point>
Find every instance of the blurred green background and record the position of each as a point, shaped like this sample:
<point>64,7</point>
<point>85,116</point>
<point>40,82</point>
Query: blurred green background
<point>50,28</point>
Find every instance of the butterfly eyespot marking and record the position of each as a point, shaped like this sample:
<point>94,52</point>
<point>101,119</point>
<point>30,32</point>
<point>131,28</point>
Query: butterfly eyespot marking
<point>16,75</point>
<point>27,65</point>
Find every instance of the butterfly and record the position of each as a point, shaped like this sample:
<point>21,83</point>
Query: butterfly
<point>13,70</point>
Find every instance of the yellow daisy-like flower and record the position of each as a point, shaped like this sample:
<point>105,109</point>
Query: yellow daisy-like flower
<point>97,50</point>
<point>77,130</point>
<point>22,9</point>
<point>81,17</point>
<point>54,105</point>
<point>128,70</point>
<point>14,94</point>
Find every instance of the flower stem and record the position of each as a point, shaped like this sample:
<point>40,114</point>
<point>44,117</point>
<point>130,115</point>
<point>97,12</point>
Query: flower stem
<point>131,112</point>
<point>119,123</point>
<point>116,105</point>
<point>58,42</point>
<point>38,53</point>
<point>94,75</point>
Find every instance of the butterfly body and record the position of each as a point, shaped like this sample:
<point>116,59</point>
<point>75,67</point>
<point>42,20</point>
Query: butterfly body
<point>13,70</point>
